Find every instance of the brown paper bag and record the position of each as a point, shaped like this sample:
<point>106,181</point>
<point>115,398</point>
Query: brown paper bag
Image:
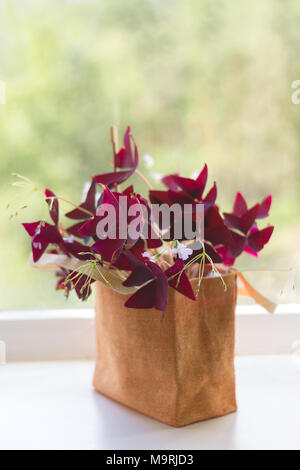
<point>178,371</point>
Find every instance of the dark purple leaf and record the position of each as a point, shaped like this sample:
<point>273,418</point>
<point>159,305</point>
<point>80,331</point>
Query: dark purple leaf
<point>184,285</point>
<point>52,202</point>
<point>87,208</point>
<point>240,205</point>
<point>258,239</point>
<point>264,207</point>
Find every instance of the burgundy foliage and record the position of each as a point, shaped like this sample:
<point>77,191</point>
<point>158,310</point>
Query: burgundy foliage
<point>226,234</point>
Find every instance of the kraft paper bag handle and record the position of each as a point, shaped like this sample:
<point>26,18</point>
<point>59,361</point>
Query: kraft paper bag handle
<point>248,290</point>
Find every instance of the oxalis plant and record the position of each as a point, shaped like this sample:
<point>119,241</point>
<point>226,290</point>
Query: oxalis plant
<point>144,266</point>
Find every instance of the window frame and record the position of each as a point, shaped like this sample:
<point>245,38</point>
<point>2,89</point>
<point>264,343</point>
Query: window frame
<point>69,334</point>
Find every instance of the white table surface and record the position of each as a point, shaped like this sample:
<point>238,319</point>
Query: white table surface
<point>51,405</point>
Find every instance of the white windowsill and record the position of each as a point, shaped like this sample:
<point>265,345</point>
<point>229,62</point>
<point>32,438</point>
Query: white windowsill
<point>68,334</point>
<point>51,405</point>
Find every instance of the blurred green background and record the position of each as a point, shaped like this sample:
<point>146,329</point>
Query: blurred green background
<point>199,81</point>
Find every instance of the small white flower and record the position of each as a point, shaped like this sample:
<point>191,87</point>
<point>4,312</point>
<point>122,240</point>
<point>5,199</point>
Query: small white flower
<point>147,255</point>
<point>85,190</point>
<point>182,251</point>
<point>69,239</point>
<point>148,160</point>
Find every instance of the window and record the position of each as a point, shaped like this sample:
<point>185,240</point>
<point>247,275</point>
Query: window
<point>198,83</point>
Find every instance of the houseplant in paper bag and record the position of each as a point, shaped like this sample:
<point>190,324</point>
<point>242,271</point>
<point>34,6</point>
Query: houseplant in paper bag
<point>165,302</point>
